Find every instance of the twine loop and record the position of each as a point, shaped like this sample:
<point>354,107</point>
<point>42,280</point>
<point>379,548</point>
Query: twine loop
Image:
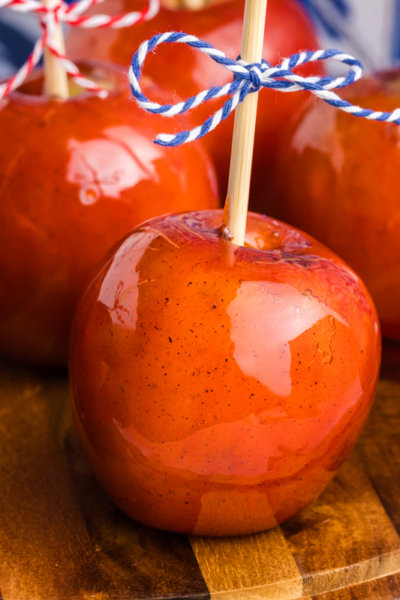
<point>59,11</point>
<point>248,79</point>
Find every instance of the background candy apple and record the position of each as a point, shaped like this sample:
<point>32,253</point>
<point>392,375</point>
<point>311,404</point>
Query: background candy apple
<point>217,389</point>
<point>75,177</point>
<point>177,69</point>
<point>337,180</point>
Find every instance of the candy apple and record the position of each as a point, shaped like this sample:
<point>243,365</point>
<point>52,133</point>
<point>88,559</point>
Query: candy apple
<point>180,69</point>
<point>337,180</point>
<point>75,177</point>
<point>217,388</point>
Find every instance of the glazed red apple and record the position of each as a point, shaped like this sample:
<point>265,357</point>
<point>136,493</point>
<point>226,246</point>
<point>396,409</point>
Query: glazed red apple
<point>75,177</point>
<point>179,69</point>
<point>338,178</point>
<point>216,388</point>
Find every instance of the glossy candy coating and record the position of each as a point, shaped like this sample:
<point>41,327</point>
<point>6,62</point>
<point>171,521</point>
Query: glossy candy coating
<point>180,70</point>
<point>75,177</point>
<point>217,389</point>
<point>338,180</point>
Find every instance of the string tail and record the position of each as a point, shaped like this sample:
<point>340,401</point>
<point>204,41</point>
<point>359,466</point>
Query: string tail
<point>18,79</point>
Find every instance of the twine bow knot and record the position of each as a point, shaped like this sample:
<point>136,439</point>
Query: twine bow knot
<point>72,14</point>
<point>255,72</point>
<point>247,79</point>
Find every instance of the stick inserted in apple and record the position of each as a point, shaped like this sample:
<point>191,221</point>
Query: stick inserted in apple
<point>221,367</point>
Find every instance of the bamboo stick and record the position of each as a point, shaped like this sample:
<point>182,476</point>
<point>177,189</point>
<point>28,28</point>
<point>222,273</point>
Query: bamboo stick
<point>244,129</point>
<point>56,79</point>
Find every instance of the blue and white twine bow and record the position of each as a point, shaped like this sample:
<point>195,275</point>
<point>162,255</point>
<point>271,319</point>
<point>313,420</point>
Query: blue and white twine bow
<point>247,79</point>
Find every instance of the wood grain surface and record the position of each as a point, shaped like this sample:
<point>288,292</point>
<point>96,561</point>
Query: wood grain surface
<point>61,538</point>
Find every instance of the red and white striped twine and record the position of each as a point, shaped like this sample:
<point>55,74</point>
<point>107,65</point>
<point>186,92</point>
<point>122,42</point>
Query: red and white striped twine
<point>61,12</point>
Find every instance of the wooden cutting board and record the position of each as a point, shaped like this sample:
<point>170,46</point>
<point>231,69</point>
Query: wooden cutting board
<point>62,539</point>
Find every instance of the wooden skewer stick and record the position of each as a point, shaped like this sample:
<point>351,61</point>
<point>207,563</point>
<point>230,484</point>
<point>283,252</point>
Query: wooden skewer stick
<point>245,124</point>
<point>56,79</point>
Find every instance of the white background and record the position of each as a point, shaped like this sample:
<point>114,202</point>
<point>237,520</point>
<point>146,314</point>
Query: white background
<point>369,33</point>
